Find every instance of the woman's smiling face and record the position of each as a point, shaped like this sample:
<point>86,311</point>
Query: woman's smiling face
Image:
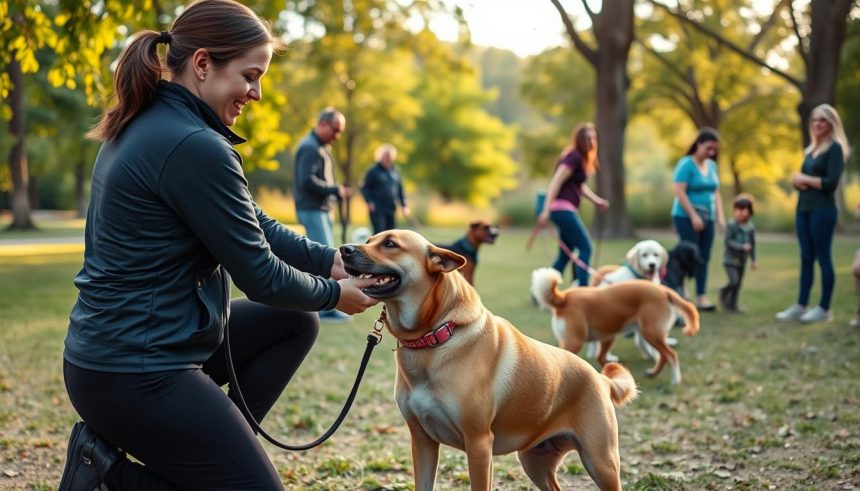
<point>228,88</point>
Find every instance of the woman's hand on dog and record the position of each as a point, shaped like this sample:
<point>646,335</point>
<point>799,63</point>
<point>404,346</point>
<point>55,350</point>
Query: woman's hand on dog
<point>352,300</point>
<point>337,270</point>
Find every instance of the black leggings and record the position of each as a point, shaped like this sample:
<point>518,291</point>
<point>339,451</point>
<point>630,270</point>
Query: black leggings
<point>181,424</point>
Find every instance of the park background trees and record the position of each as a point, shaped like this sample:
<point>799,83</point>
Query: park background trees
<point>472,124</point>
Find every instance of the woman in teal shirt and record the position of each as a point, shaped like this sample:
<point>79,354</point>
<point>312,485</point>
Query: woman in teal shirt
<point>816,215</point>
<point>697,205</point>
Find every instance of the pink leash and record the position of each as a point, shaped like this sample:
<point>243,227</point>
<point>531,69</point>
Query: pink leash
<point>579,262</point>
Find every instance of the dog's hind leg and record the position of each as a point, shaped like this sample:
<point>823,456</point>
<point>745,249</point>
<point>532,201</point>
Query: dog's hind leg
<point>598,450</point>
<point>666,355</point>
<point>571,333</point>
<point>603,355</point>
<point>648,351</point>
<point>541,461</point>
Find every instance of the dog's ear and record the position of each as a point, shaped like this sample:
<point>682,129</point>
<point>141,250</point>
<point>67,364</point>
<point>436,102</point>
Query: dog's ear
<point>630,257</point>
<point>441,260</point>
<point>664,256</point>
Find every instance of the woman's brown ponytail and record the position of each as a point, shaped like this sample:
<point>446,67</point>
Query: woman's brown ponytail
<point>225,28</point>
<point>137,74</point>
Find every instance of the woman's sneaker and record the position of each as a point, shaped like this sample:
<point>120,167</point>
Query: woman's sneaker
<point>817,314</point>
<point>792,313</point>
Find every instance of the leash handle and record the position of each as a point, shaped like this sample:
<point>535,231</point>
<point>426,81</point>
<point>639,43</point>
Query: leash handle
<point>373,338</point>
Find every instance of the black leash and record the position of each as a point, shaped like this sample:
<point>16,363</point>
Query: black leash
<point>373,338</point>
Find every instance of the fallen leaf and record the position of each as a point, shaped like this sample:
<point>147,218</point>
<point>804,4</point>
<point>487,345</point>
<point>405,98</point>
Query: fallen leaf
<point>10,473</point>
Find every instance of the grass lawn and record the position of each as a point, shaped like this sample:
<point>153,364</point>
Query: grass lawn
<point>763,405</point>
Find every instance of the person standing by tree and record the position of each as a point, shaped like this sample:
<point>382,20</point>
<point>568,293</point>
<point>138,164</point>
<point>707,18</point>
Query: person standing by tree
<point>383,190</point>
<point>170,221</point>
<point>697,205</point>
<point>578,160</point>
<point>314,186</point>
<point>816,216</point>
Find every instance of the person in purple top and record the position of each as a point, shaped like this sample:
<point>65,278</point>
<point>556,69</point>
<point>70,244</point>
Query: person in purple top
<point>566,189</point>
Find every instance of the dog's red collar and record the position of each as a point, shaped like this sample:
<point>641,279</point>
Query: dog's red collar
<point>432,338</point>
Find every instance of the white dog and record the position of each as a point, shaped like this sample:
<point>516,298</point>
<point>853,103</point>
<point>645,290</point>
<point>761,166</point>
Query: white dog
<point>646,260</point>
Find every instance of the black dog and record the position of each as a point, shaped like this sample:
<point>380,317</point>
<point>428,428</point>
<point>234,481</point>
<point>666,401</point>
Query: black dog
<point>684,261</point>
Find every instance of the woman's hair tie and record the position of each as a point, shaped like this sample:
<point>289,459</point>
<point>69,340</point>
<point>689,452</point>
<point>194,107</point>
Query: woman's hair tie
<point>164,37</point>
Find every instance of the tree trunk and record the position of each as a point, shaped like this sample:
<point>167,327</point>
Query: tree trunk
<point>613,29</point>
<point>33,192</point>
<point>737,187</point>
<point>611,123</point>
<point>21,212</point>
<point>826,37</point>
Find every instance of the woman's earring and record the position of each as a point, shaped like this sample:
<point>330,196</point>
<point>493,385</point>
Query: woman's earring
<point>202,76</point>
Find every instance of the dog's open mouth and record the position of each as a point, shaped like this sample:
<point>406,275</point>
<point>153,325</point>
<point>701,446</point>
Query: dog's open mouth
<point>387,283</point>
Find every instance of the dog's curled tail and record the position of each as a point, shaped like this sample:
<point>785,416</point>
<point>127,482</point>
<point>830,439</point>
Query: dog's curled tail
<point>687,309</point>
<point>622,387</point>
<point>545,288</point>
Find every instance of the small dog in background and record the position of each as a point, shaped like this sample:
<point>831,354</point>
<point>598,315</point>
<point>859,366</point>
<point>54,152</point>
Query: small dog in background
<point>684,261</point>
<point>581,314</point>
<point>479,232</point>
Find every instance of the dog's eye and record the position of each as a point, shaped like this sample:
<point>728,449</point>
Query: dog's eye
<point>389,243</point>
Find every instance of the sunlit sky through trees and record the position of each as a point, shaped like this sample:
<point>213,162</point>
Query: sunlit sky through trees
<point>525,27</point>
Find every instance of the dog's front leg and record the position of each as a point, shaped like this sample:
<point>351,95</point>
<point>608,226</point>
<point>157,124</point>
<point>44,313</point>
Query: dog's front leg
<point>425,458</point>
<point>479,456</point>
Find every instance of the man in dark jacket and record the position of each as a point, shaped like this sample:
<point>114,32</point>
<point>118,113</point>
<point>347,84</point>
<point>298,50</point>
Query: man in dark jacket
<point>314,185</point>
<point>383,189</point>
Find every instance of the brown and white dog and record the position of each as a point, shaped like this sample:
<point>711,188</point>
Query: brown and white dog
<point>479,232</point>
<point>470,380</point>
<point>646,260</point>
<point>581,314</point>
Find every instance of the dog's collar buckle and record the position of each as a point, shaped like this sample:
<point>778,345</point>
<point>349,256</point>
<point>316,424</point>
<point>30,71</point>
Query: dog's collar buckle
<point>433,338</point>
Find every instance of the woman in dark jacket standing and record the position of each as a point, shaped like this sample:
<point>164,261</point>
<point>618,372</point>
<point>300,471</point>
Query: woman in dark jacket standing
<point>170,221</point>
<point>815,220</point>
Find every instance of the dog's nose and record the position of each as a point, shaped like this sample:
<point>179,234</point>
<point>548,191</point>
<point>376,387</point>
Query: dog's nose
<point>347,250</point>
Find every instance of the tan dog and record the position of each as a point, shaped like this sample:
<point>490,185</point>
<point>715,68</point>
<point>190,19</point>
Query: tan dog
<point>646,260</point>
<point>477,383</point>
<point>479,232</point>
<point>590,313</point>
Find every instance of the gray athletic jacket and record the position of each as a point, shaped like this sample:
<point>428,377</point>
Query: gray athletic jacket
<point>170,215</point>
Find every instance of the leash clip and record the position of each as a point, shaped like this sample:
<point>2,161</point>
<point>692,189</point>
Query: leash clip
<point>376,331</point>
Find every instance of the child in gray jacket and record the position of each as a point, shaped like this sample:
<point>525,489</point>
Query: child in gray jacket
<point>740,244</point>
